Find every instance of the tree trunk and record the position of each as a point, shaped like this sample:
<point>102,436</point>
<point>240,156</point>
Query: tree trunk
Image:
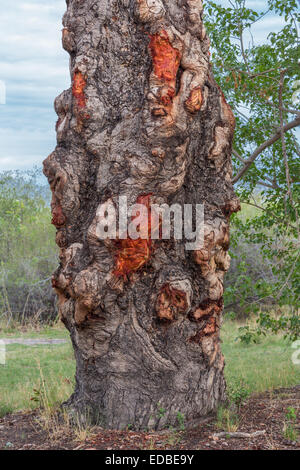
<point>145,119</point>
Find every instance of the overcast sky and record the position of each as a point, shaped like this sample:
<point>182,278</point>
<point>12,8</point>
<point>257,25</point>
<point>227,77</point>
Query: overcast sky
<point>34,68</point>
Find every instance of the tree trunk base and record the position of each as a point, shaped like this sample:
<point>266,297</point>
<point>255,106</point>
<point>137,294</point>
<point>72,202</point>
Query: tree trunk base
<point>145,391</point>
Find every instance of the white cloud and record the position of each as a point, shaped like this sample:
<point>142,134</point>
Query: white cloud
<point>35,70</point>
<point>22,148</point>
<point>262,28</point>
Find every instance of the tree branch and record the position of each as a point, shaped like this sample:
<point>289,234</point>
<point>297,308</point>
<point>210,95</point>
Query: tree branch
<point>262,183</point>
<point>237,155</point>
<point>286,110</point>
<point>262,147</point>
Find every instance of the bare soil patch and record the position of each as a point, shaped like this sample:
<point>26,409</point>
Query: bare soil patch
<point>265,412</point>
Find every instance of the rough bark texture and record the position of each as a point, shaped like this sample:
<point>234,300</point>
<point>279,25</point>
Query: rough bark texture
<point>143,118</point>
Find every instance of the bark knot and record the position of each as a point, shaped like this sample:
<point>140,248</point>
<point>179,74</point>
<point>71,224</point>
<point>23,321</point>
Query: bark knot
<point>170,303</point>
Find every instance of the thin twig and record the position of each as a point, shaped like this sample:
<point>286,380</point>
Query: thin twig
<point>237,155</point>
<point>264,209</point>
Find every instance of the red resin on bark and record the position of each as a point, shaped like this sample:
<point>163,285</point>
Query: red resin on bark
<point>166,60</point>
<point>133,254</point>
<point>79,84</point>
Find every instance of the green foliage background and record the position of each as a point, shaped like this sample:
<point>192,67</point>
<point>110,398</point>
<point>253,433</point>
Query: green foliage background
<point>261,83</point>
<point>27,248</point>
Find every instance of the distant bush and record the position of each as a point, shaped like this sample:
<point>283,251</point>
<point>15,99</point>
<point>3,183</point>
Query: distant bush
<point>28,254</point>
<point>264,275</point>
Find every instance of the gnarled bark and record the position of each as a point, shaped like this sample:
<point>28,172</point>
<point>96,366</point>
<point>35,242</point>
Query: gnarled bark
<point>145,119</point>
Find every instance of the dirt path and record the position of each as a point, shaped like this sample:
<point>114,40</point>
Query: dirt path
<point>266,412</point>
<point>32,341</point>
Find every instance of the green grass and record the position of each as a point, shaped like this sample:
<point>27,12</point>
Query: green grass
<point>263,366</point>
<point>57,331</point>
<point>258,367</point>
<point>21,379</point>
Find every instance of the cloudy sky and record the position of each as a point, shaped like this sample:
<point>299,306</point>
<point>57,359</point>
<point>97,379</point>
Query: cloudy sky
<point>34,68</point>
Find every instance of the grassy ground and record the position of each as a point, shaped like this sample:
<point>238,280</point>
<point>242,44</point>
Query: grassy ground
<point>33,373</point>
<point>263,366</point>
<point>15,330</point>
